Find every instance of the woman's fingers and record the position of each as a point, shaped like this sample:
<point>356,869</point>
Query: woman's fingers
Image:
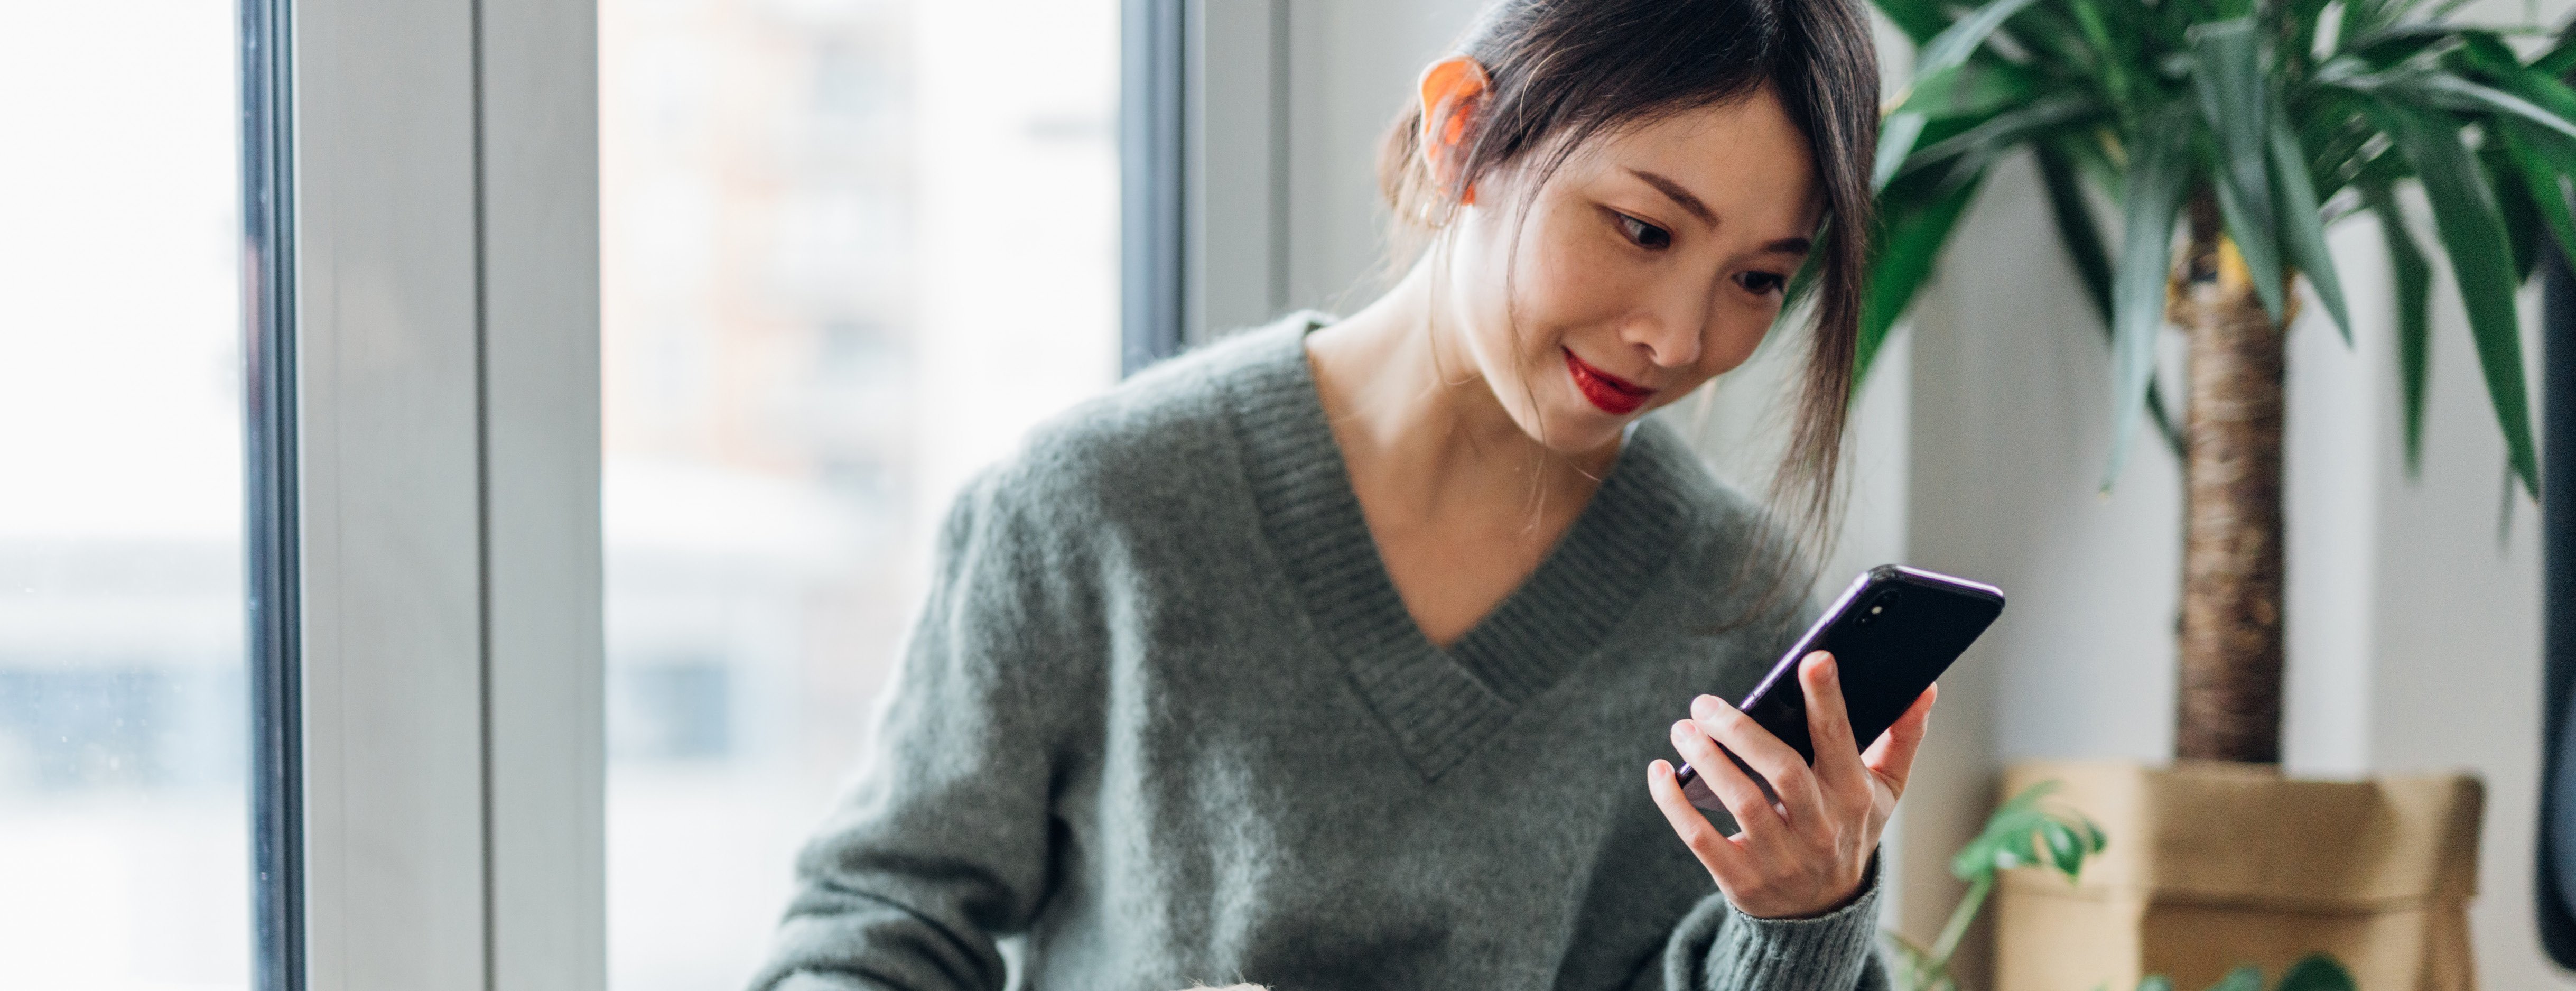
<point>1892,757</point>
<point>1775,761</point>
<point>1742,797</point>
<point>1838,767</point>
<point>1726,862</point>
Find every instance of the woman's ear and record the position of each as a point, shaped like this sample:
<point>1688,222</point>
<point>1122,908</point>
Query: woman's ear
<point>1453,103</point>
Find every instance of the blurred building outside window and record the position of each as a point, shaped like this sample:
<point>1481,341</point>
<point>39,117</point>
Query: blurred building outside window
<point>851,250</point>
<point>124,710</point>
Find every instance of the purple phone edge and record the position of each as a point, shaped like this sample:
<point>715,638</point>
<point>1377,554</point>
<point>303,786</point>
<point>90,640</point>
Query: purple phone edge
<point>1686,775</point>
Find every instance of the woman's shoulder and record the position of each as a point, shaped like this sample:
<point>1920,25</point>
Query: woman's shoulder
<point>1157,442</point>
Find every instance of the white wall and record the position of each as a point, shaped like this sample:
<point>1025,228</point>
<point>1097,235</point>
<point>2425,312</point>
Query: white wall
<point>1352,68</point>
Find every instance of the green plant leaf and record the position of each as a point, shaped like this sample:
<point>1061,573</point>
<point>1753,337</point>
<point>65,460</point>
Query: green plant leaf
<point>1909,242</point>
<point>2299,27</point>
<point>2227,77</point>
<point>1954,44</point>
<point>2487,57</point>
<point>1919,19</point>
<point>2112,50</point>
<point>2558,60</point>
<point>2243,978</point>
<point>1895,140</point>
<point>2316,972</point>
<point>2083,241</point>
<point>2159,171</point>
<point>2436,89</point>
<point>2464,215</point>
<point>1979,146</point>
<point>2413,283</point>
<point>2364,20</point>
<point>1980,89</point>
<point>2066,850</point>
<point>2303,233</point>
<point>2520,213</point>
<point>2545,164</point>
<point>2155,982</point>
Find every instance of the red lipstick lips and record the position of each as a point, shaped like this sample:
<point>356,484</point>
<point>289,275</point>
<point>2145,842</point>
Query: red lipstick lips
<point>1614,395</point>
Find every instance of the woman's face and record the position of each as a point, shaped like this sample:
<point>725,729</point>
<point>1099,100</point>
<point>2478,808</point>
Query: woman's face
<point>1653,260</point>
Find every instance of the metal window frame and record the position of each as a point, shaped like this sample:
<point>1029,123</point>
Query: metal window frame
<point>268,391</point>
<point>433,483</point>
<point>1203,171</point>
<point>1153,177</point>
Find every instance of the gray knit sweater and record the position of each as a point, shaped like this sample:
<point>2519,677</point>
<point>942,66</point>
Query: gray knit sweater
<point>1164,721</point>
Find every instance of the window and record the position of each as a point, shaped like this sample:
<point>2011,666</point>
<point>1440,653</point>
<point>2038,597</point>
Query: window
<point>850,251</point>
<point>124,712</point>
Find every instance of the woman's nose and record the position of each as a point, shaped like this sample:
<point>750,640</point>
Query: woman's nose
<point>1669,334</point>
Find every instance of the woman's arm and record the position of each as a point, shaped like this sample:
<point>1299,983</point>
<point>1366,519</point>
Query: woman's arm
<point>943,844</point>
<point>1719,948</point>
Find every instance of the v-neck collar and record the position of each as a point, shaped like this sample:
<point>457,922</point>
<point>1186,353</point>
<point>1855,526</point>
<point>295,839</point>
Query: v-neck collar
<point>1440,704</point>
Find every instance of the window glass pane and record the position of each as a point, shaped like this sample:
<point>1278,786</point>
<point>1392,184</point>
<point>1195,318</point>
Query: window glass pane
<point>124,854</point>
<point>851,249</point>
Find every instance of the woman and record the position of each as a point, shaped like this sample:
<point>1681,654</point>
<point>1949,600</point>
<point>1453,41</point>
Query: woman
<point>1327,657</point>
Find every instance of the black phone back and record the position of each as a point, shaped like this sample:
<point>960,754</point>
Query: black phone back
<point>1892,633</point>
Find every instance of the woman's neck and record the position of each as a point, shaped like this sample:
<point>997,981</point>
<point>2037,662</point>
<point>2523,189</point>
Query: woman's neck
<point>1422,431</point>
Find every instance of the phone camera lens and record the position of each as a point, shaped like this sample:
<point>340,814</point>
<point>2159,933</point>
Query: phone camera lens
<point>1878,606</point>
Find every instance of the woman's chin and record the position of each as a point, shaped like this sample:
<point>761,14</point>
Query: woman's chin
<point>1586,432</point>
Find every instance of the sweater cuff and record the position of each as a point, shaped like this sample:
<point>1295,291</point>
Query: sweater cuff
<point>1829,952</point>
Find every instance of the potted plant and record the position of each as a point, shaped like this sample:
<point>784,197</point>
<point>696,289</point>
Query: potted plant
<point>2241,129</point>
<point>2025,839</point>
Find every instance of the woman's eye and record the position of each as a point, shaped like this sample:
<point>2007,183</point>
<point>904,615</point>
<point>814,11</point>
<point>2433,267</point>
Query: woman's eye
<point>1762,283</point>
<point>1644,234</point>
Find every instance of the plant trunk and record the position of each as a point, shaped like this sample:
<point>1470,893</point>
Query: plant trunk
<point>2229,703</point>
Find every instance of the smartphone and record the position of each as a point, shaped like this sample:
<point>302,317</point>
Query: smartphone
<point>1892,633</point>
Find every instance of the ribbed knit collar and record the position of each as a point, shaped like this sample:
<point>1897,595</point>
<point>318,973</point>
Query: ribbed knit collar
<point>1441,703</point>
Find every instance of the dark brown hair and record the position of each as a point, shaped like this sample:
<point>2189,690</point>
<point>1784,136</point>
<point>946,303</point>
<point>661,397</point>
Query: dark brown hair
<point>1565,71</point>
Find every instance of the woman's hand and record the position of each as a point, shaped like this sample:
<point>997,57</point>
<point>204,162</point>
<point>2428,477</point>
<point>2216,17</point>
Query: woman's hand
<point>1805,855</point>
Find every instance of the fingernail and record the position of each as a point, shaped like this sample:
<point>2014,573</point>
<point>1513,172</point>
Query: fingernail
<point>1681,730</point>
<point>1706,707</point>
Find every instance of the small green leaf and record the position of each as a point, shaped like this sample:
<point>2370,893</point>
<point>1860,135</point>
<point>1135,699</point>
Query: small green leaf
<point>2159,168</point>
<point>2303,232</point>
<point>2464,215</point>
<point>2065,848</point>
<point>2413,278</point>
<point>2316,972</point>
<point>1909,242</point>
<point>2227,77</point>
<point>1954,44</point>
<point>2155,982</point>
<point>2243,978</point>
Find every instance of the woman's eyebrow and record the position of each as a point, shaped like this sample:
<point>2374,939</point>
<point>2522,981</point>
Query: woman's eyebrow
<point>1792,245</point>
<point>1674,191</point>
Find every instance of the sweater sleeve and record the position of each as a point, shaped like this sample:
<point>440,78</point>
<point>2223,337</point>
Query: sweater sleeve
<point>942,845</point>
<point>1717,948</point>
